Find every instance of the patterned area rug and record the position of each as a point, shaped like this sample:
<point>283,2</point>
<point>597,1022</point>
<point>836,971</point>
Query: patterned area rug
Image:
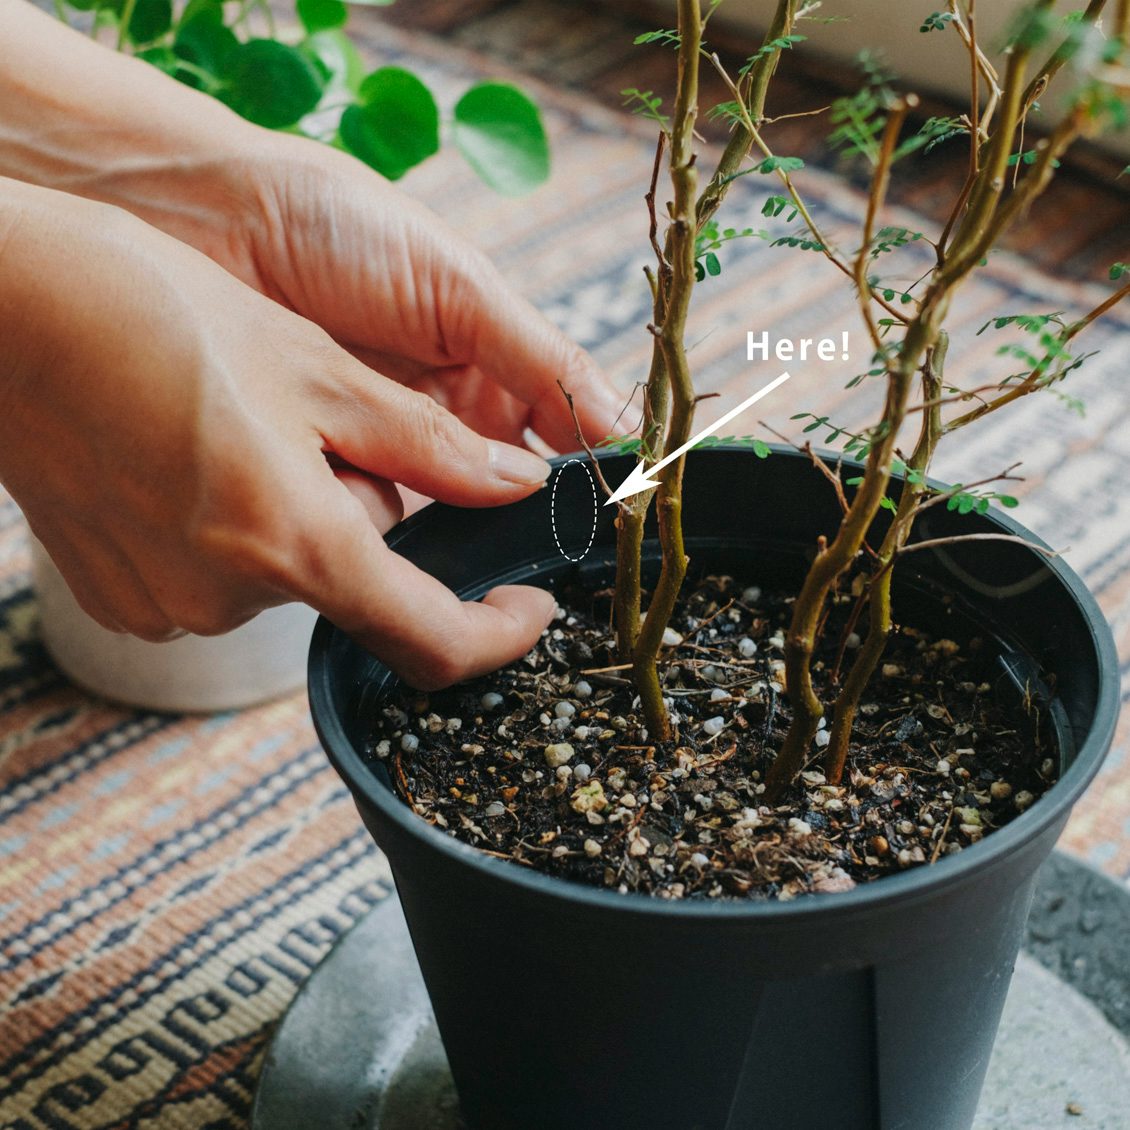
<point>167,882</point>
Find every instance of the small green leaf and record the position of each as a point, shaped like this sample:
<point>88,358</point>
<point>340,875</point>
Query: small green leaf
<point>202,39</point>
<point>668,37</point>
<point>1008,501</point>
<point>1117,270</point>
<point>321,15</point>
<point>396,124</point>
<point>761,449</point>
<point>782,164</point>
<point>713,267</point>
<point>500,133</point>
<point>272,84</point>
<point>150,20</point>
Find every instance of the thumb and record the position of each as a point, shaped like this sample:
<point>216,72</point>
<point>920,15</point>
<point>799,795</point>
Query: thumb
<point>408,619</point>
<point>396,433</point>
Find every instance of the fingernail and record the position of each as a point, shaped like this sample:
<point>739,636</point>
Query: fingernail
<point>514,465</point>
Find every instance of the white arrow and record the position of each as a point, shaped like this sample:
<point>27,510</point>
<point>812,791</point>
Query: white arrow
<point>639,479</point>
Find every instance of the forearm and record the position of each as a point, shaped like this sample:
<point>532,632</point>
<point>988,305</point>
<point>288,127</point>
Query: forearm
<point>76,116</point>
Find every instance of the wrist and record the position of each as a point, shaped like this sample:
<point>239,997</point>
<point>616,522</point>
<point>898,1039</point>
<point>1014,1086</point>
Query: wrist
<point>114,129</point>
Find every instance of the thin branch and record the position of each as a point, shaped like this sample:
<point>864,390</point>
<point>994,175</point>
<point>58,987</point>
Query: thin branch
<point>937,543</point>
<point>584,443</point>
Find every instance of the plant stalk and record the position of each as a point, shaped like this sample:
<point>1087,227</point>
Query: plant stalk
<point>879,593</point>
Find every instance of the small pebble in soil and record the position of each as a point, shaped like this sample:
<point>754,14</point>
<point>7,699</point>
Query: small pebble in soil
<point>671,638</point>
<point>563,768</point>
<point>558,754</point>
<point>852,641</point>
<point>751,595</point>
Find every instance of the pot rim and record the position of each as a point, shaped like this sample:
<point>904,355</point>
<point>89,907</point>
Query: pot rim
<point>912,885</point>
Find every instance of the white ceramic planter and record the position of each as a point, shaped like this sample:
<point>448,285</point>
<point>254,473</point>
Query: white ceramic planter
<point>263,659</point>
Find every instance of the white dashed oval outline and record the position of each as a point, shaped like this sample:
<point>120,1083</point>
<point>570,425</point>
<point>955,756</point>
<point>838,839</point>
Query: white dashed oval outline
<point>553,509</point>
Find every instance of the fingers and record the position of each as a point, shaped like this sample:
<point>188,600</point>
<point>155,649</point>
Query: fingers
<point>379,497</point>
<point>408,619</point>
<point>402,435</point>
<point>512,343</point>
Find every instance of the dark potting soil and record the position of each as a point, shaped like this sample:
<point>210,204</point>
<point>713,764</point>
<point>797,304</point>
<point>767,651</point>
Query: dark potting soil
<point>548,763</point>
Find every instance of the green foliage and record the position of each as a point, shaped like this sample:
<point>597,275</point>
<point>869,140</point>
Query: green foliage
<point>775,205</point>
<point>780,164</point>
<point>759,447</point>
<point>859,118</point>
<point>499,131</point>
<point>646,104</point>
<point>800,242</point>
<point>933,132</point>
<point>936,21</point>
<point>317,86</point>
<point>1027,157</point>
<point>1117,270</point>
<point>150,20</point>
<point>632,445</point>
<point>728,111</point>
<point>395,123</point>
<point>322,15</point>
<point>854,443</point>
<point>709,239</point>
<point>666,36</point>
<point>978,502</point>
<point>773,47</point>
<point>890,238</point>
<point>271,83</point>
<point>1031,323</point>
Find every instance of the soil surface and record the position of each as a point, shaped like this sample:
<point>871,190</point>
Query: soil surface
<point>548,763</point>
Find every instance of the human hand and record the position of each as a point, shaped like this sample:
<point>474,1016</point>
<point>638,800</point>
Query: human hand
<point>322,234</point>
<point>303,223</point>
<point>165,429</point>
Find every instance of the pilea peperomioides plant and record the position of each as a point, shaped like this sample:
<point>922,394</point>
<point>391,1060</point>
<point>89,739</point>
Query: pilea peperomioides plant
<point>314,83</point>
<point>905,325</point>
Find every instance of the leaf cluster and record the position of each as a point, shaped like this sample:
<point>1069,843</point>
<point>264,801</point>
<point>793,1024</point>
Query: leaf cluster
<point>388,118</point>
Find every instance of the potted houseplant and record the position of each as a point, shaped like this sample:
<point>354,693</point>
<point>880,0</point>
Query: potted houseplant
<point>837,886</point>
<point>307,78</point>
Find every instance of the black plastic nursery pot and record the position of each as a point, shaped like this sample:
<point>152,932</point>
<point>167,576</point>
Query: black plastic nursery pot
<point>564,1007</point>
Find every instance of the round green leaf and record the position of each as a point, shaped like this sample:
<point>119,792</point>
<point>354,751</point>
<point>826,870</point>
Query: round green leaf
<point>321,15</point>
<point>335,52</point>
<point>150,20</point>
<point>272,84</point>
<point>396,124</point>
<point>203,39</point>
<point>499,131</point>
